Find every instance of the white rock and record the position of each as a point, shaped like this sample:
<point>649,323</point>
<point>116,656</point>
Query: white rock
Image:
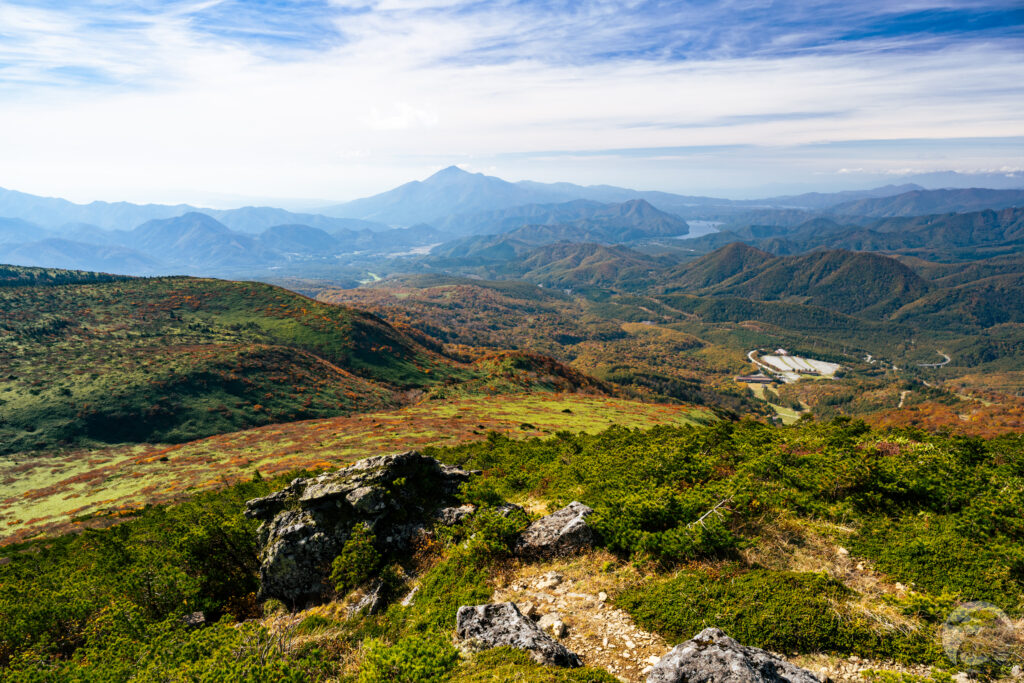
<point>553,623</point>
<point>653,659</point>
<point>549,580</point>
<point>630,645</point>
<point>842,551</point>
<point>602,596</point>
<point>410,596</point>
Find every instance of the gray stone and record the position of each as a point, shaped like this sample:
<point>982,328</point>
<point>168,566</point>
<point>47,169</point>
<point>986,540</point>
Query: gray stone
<point>549,580</point>
<point>483,627</point>
<point>371,601</point>
<point>552,622</point>
<point>306,524</point>
<point>713,657</point>
<point>453,515</point>
<point>506,509</point>
<point>562,533</point>
<point>194,619</point>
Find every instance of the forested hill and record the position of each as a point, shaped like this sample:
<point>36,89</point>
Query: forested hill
<point>18,276</point>
<point>170,359</point>
<point>849,282</point>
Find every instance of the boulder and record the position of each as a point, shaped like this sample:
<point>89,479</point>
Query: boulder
<point>453,515</point>
<point>552,623</point>
<point>483,627</point>
<point>194,619</point>
<point>306,524</point>
<point>563,533</point>
<point>713,657</point>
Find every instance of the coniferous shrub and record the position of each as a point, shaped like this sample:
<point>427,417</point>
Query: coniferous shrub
<point>358,562</point>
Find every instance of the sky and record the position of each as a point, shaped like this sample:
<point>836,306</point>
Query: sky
<point>225,102</point>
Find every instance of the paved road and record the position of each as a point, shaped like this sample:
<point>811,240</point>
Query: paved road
<point>758,363</point>
<point>936,365</point>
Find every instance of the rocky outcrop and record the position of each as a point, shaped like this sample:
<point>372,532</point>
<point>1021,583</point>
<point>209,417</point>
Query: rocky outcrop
<point>483,627</point>
<point>305,525</point>
<point>453,515</point>
<point>713,657</point>
<point>563,533</point>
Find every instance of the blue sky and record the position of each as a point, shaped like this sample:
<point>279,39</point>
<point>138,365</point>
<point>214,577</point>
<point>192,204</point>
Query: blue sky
<point>232,101</point>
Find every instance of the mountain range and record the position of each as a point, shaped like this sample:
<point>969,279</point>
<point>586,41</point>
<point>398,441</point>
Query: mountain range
<point>473,221</point>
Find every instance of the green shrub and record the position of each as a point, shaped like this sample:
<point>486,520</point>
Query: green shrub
<point>507,664</point>
<point>460,579</point>
<point>928,552</point>
<point>488,534</point>
<point>358,562</point>
<point>312,624</point>
<point>778,611</point>
<point>416,659</point>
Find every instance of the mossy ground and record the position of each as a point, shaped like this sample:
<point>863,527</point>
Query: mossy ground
<point>44,493</point>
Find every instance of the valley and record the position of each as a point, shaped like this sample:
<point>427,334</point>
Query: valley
<point>797,420</point>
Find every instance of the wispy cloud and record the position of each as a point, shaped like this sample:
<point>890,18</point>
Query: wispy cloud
<point>340,97</point>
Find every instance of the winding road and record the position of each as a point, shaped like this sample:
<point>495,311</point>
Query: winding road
<point>936,365</point>
<point>750,356</point>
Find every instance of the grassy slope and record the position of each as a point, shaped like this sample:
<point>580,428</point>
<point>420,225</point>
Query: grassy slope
<point>43,493</point>
<point>172,359</point>
<point>827,538</point>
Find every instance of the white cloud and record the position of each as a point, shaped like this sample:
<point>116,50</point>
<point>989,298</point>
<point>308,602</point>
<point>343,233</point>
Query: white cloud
<point>398,98</point>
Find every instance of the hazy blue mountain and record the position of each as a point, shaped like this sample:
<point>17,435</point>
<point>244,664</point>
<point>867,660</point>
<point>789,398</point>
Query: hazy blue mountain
<point>948,237</point>
<point>92,234</point>
<point>503,220</point>
<point>629,221</point>
<point>951,179</point>
<point>923,202</point>
<point>605,224</point>
<point>299,239</point>
<point>16,231</point>
<point>53,213</point>
<point>447,192</point>
<point>60,214</point>
<point>197,240</point>
<point>254,219</point>
<point>826,200</point>
<point>62,253</point>
<point>630,213</point>
<point>466,203</point>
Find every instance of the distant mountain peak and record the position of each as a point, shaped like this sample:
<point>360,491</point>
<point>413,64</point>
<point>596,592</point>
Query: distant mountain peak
<point>449,173</point>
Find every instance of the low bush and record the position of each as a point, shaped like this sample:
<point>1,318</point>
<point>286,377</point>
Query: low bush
<point>358,562</point>
<point>780,611</point>
<point>506,664</point>
<point>416,659</point>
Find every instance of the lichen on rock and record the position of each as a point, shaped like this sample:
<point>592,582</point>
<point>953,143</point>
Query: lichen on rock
<point>305,525</point>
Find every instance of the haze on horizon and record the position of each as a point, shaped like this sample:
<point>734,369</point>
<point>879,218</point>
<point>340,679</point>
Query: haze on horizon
<point>228,102</point>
